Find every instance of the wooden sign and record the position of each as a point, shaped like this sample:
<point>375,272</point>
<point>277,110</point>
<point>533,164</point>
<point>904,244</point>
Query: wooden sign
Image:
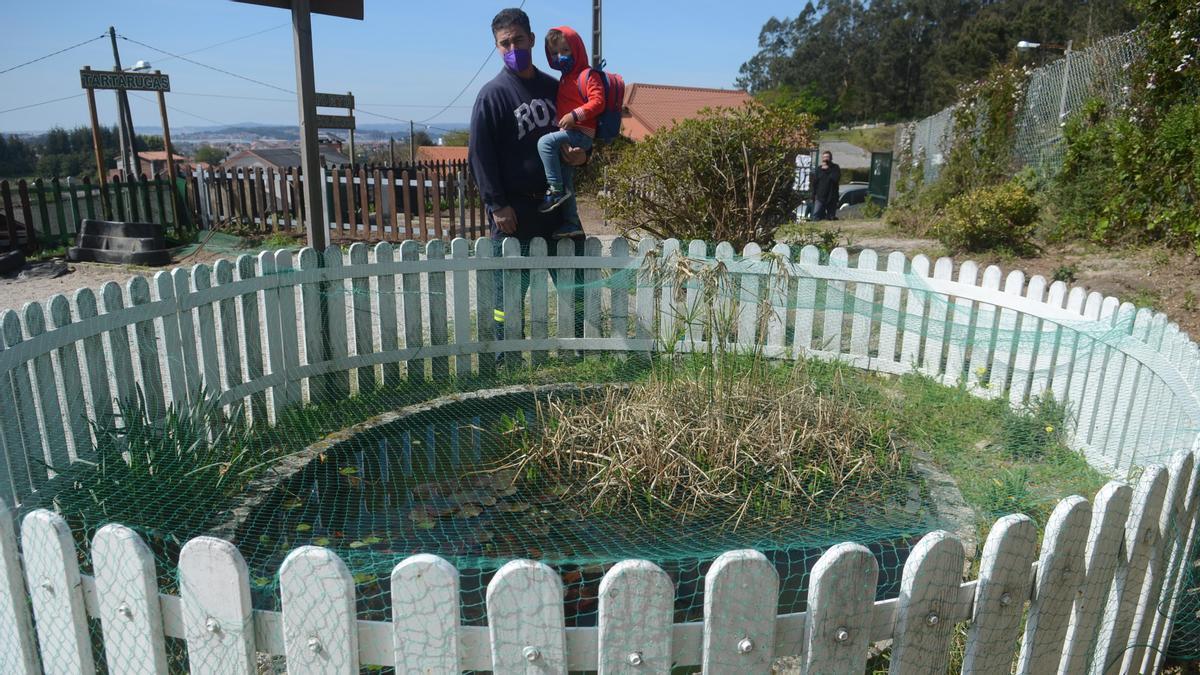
<point>335,100</point>
<point>335,122</point>
<point>108,79</point>
<point>347,9</point>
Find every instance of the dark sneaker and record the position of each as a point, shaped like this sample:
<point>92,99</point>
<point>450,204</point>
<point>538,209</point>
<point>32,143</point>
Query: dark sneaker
<point>568,231</point>
<point>553,200</point>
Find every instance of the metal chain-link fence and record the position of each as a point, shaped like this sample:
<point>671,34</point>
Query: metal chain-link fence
<point>1053,93</point>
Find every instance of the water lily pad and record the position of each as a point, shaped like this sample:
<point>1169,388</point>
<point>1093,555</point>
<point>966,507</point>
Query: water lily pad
<point>293,504</point>
<point>468,511</point>
<point>363,578</point>
<point>321,541</point>
<point>488,500</point>
<point>372,539</point>
<point>357,544</point>
<point>347,471</point>
<point>303,527</point>
<point>514,507</point>
<point>262,581</point>
<point>425,524</point>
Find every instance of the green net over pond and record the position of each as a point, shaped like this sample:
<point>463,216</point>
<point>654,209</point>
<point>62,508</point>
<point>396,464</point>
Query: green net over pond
<point>366,402</point>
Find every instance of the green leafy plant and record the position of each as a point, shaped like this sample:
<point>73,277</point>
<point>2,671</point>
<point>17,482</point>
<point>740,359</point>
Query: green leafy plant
<point>724,176</point>
<point>991,217</point>
<point>1066,273</point>
<point>1036,428</point>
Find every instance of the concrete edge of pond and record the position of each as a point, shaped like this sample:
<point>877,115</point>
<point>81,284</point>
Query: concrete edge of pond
<point>228,522</point>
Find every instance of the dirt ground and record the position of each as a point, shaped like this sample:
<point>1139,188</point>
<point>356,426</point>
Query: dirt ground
<point>1166,280</point>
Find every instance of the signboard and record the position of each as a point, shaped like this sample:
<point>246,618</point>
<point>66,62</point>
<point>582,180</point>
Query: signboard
<point>347,9</point>
<point>108,79</point>
<point>335,122</point>
<point>335,100</point>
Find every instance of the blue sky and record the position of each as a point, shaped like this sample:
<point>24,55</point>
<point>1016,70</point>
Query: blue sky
<point>405,60</point>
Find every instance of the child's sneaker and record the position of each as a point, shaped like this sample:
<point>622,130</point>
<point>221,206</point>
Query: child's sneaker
<point>553,200</point>
<point>568,231</point>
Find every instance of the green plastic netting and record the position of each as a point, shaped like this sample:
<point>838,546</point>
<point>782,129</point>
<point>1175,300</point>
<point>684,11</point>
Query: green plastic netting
<point>378,440</point>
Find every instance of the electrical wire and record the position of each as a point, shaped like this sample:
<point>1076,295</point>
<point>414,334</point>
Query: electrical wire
<point>34,105</point>
<point>204,65</point>
<point>225,42</point>
<point>469,82</point>
<point>178,110</point>
<point>41,58</point>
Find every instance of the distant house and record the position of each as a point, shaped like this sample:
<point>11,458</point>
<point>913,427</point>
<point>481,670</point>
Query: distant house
<point>279,158</point>
<point>441,153</point>
<point>650,107</point>
<point>154,163</point>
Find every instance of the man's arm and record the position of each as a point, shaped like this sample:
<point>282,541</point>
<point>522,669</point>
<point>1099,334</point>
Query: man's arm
<point>483,155</point>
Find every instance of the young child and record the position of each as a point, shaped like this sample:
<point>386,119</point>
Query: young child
<point>577,122</point>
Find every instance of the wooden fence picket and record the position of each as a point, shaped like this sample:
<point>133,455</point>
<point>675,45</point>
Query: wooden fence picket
<point>74,398</point>
<point>460,249</point>
<point>890,317</point>
<point>741,592</point>
<point>362,314</point>
<point>273,333</point>
<point>206,318</point>
<point>1114,440</point>
<point>334,385</point>
<point>539,299</point>
<point>637,599</point>
<point>619,288</point>
<point>485,301</point>
<point>935,330</point>
<point>214,589</point>
<point>18,652</point>
<point>1140,532</point>
<point>914,314</point>
<point>513,308</point>
<point>231,343</point>
<point>928,603</point>
<point>1059,579</point>
<point>841,597</point>
<point>1004,581</point>
<point>1183,549</point>
<point>1115,370</point>
<point>1028,336</point>
<point>525,618</point>
<point>1101,348</point>
<point>592,250</point>
<point>864,306</point>
<point>192,385</point>
<point>777,293</point>
<point>1110,511</point>
<point>565,291</point>
<point>385,288</point>
<point>1048,343</point>
<point>978,376</point>
<point>289,345</point>
<point>959,327</point>
<point>252,332</point>
<point>14,465</point>
<point>34,458</point>
<point>56,592</point>
<point>834,306</point>
<point>806,301</point>
<point>57,453</point>
<point>130,613</point>
<point>1068,341</point>
<point>414,331</point>
<point>320,632</point>
<point>425,599</point>
<point>439,366</point>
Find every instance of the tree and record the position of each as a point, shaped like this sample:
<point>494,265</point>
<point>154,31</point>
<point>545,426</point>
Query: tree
<point>420,138</point>
<point>208,154</point>
<point>456,138</point>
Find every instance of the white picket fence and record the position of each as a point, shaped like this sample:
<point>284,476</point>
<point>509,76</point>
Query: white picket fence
<point>253,330</point>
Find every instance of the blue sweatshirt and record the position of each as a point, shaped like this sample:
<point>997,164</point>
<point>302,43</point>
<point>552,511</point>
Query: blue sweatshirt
<point>510,115</point>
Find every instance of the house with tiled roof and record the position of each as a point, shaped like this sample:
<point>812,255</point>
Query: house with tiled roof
<point>279,158</point>
<point>650,107</point>
<point>441,153</point>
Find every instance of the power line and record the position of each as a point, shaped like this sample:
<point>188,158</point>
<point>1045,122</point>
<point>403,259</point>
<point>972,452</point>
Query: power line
<point>179,110</point>
<point>40,58</point>
<point>469,82</point>
<point>225,42</point>
<point>34,105</point>
<point>204,65</point>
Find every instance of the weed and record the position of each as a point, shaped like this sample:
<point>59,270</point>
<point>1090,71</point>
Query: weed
<point>1189,300</point>
<point>1066,273</point>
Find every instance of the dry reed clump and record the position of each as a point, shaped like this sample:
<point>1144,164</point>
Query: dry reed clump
<point>741,444</point>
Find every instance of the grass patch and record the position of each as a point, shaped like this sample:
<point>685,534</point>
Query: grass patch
<point>874,139</point>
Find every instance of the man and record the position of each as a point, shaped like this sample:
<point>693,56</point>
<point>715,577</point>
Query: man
<point>825,181</point>
<point>511,112</point>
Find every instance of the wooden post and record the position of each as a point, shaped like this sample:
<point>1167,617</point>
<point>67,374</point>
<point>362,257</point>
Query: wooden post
<point>351,94</point>
<point>91,97</point>
<point>412,144</point>
<point>162,111</point>
<point>310,157</point>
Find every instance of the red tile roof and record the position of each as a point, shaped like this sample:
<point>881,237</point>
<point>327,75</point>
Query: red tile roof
<point>650,107</point>
<point>441,153</point>
<point>158,156</point>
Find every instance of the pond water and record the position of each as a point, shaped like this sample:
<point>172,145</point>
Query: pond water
<point>415,485</point>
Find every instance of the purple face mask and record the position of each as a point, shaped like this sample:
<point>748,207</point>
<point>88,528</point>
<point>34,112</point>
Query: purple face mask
<point>518,59</point>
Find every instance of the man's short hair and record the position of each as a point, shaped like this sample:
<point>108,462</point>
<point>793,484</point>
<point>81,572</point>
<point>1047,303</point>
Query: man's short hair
<point>507,18</point>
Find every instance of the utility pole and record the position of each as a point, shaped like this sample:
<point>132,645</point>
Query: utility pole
<point>412,144</point>
<point>392,151</point>
<point>310,156</point>
<point>132,162</point>
<point>596,51</point>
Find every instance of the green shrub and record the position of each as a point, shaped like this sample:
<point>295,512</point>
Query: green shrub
<point>724,176</point>
<point>1000,217</point>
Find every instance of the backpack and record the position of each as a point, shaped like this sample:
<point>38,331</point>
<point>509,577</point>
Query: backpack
<point>608,124</point>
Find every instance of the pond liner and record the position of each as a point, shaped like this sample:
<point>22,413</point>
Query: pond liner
<point>120,243</point>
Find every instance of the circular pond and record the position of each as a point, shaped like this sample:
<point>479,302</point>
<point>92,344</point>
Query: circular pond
<point>417,481</point>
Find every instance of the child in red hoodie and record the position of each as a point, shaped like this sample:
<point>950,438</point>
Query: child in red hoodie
<point>577,111</point>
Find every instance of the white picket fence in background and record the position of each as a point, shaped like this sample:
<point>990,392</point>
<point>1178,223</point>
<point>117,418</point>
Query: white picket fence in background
<point>1105,582</point>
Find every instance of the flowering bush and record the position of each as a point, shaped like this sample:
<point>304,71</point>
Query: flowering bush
<point>992,217</point>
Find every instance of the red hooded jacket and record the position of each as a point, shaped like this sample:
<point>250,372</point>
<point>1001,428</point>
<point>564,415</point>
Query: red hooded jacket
<point>586,110</point>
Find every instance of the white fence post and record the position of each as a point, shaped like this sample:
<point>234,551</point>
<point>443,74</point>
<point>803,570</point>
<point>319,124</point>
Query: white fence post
<point>52,575</point>
<point>214,585</point>
<point>130,614</point>
<point>525,618</point>
<point>1004,575</point>
<point>1060,571</point>
<point>841,597</point>
<point>425,599</point>
<point>320,633</point>
<point>636,603</point>
<point>741,593</point>
<point>17,653</point>
<point>928,604</point>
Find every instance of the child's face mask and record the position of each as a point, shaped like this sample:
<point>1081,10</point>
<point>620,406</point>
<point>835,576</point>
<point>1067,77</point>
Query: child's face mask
<point>518,60</point>
<point>563,62</point>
